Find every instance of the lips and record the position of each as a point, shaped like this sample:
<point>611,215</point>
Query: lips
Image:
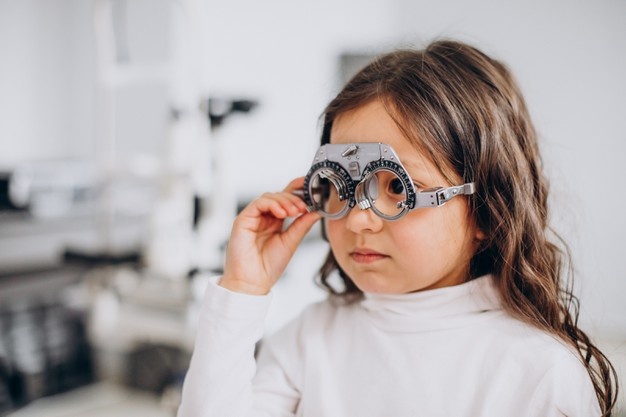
<point>367,256</point>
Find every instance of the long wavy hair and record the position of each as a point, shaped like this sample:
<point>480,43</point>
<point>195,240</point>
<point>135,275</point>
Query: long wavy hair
<point>465,110</point>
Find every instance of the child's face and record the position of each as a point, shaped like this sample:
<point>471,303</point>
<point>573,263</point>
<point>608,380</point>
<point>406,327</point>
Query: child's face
<point>427,248</point>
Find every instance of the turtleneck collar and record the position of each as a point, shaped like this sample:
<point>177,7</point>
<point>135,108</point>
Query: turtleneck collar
<point>436,309</point>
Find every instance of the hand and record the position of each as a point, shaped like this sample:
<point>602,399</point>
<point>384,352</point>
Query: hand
<point>259,249</point>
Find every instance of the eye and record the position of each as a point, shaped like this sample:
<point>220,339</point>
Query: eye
<point>396,186</point>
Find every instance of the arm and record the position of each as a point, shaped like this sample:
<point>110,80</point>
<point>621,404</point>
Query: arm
<point>219,380</point>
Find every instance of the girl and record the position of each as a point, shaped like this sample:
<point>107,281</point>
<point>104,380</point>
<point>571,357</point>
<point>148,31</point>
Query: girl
<point>454,310</point>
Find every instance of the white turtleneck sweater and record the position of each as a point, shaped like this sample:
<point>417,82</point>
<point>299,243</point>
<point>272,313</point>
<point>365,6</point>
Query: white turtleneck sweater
<point>449,352</point>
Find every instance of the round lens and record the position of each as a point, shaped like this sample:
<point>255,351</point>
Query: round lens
<point>328,192</point>
<point>386,192</point>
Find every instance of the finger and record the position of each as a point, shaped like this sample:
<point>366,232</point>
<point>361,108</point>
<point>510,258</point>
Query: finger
<point>296,200</point>
<point>296,189</point>
<point>279,205</point>
<point>292,204</point>
<point>295,184</point>
<point>264,205</point>
<point>298,230</point>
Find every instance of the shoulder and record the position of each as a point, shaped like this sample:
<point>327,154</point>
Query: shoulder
<point>510,338</point>
<point>565,386</point>
<point>526,340</point>
<point>558,381</point>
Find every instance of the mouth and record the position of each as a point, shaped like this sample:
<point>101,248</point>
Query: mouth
<point>367,256</point>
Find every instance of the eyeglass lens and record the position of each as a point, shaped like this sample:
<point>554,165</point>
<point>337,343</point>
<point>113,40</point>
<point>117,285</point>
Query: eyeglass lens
<point>383,189</point>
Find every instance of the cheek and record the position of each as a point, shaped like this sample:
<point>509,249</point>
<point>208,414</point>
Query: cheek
<point>423,226</point>
<point>437,230</point>
<point>455,230</point>
<point>335,232</point>
<point>418,240</point>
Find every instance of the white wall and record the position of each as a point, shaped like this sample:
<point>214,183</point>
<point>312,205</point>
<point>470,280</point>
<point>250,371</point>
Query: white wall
<point>39,81</point>
<point>49,85</point>
<point>284,54</point>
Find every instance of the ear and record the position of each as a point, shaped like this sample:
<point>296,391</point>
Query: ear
<point>479,236</point>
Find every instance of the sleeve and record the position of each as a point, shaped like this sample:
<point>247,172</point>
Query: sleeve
<point>565,390</point>
<point>280,363</point>
<point>219,381</point>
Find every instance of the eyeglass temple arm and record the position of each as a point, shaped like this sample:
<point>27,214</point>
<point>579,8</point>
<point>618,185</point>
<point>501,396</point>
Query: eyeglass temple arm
<point>438,196</point>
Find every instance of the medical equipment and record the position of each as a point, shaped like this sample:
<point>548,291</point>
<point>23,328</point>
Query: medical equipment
<point>369,175</point>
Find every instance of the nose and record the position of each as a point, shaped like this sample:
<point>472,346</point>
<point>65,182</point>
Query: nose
<point>363,221</point>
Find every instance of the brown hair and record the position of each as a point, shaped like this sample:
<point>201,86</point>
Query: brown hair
<point>465,110</point>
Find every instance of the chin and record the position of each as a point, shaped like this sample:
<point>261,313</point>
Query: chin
<point>376,287</point>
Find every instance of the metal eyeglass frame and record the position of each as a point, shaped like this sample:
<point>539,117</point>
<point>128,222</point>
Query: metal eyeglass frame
<point>348,165</point>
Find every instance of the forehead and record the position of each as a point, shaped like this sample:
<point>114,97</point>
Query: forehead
<point>372,123</point>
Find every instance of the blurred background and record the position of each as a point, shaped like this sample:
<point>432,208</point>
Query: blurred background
<point>132,131</point>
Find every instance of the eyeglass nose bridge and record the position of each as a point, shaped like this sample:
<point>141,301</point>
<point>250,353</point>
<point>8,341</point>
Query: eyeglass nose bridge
<point>364,204</point>
<point>362,197</point>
